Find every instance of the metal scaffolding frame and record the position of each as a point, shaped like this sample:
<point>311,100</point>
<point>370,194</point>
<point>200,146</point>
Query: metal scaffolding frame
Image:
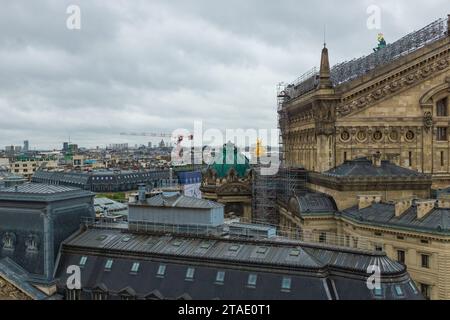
<point>350,70</point>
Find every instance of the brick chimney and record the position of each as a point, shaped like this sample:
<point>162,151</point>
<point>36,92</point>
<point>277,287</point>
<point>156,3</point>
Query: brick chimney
<point>365,201</point>
<point>402,206</point>
<point>424,207</point>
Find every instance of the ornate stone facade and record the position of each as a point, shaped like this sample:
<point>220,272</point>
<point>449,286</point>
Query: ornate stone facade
<point>230,183</point>
<point>10,292</point>
<point>400,109</point>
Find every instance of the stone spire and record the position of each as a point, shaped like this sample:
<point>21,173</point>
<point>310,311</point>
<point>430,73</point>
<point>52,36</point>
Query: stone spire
<point>324,75</point>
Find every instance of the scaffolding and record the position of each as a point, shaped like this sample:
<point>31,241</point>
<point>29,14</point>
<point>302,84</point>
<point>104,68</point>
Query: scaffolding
<point>264,197</point>
<point>282,96</point>
<point>350,70</point>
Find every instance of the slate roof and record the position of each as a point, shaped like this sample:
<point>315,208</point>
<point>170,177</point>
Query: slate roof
<point>174,199</point>
<point>316,203</point>
<point>41,192</point>
<point>383,214</point>
<point>363,167</point>
<point>312,268</point>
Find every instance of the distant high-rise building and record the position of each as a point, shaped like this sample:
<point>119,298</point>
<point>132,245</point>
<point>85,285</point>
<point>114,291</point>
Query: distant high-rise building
<point>26,146</point>
<point>150,145</point>
<point>65,146</point>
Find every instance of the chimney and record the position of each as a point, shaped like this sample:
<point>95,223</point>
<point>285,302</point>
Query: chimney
<point>142,193</point>
<point>376,159</point>
<point>365,201</point>
<point>325,73</point>
<point>402,206</point>
<point>424,207</point>
<point>443,203</point>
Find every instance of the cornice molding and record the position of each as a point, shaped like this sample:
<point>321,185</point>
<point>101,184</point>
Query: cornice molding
<point>391,84</point>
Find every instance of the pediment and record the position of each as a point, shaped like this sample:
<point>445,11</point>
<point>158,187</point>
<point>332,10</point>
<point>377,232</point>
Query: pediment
<point>392,83</point>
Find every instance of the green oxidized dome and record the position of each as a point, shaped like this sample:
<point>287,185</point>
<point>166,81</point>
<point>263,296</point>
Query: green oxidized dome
<point>228,158</point>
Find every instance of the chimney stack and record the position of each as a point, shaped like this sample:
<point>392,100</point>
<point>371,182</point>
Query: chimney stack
<point>402,206</point>
<point>376,159</point>
<point>365,201</point>
<point>424,207</point>
<point>443,203</point>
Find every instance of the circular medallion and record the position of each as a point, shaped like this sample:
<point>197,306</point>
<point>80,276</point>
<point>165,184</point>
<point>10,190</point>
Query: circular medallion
<point>361,135</point>
<point>345,136</point>
<point>393,135</point>
<point>377,135</point>
<point>410,135</point>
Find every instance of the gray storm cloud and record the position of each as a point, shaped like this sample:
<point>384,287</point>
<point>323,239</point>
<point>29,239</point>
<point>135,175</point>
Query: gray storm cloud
<point>161,65</point>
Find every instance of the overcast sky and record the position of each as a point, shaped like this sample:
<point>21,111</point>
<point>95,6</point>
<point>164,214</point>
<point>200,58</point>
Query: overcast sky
<point>151,66</point>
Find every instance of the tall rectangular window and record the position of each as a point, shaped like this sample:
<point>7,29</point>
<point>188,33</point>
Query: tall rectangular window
<point>410,159</point>
<point>442,108</point>
<point>401,256</point>
<point>425,290</point>
<point>425,261</point>
<point>345,156</point>
<point>442,134</point>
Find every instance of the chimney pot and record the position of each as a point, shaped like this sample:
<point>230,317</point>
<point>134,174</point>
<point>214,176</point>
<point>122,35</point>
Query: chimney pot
<point>402,206</point>
<point>424,207</point>
<point>365,201</point>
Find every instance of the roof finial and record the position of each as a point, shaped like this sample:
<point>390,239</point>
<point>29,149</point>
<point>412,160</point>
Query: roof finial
<point>324,35</point>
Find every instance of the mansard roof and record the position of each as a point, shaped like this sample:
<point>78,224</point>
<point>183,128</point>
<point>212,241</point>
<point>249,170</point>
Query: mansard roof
<point>437,221</point>
<point>316,271</point>
<point>42,192</point>
<point>363,167</point>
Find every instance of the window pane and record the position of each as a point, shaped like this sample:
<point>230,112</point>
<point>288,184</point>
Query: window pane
<point>108,264</point>
<point>161,270</point>
<point>286,283</point>
<point>83,261</point>
<point>398,290</point>
<point>220,277</point>
<point>190,273</point>
<point>135,267</point>
<point>252,279</point>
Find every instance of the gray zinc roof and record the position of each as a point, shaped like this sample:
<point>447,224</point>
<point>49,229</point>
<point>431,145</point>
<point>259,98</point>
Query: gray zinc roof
<point>383,214</point>
<point>363,167</point>
<point>180,201</point>
<point>41,192</point>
